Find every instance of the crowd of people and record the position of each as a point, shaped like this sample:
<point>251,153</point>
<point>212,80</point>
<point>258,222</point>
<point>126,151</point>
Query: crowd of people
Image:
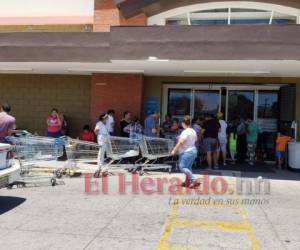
<point>216,140</point>
<point>209,139</point>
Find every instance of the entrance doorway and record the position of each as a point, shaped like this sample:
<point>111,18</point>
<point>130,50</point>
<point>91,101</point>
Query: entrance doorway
<point>259,101</point>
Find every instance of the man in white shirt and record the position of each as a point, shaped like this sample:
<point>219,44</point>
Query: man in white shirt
<point>102,133</point>
<point>222,137</point>
<point>110,123</point>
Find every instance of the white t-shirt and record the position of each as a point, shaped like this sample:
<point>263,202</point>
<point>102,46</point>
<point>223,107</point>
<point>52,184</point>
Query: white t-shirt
<point>190,137</point>
<point>222,133</point>
<point>109,124</point>
<point>102,132</point>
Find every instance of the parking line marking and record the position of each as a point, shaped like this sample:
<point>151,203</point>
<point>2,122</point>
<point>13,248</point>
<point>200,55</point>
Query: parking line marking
<point>174,221</point>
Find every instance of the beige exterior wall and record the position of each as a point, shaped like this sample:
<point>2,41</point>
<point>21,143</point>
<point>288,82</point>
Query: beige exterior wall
<point>33,96</point>
<point>46,28</point>
<point>153,86</point>
<point>298,107</point>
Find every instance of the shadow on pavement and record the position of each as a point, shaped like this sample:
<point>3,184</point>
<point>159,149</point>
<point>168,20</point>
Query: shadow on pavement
<point>7,203</point>
<point>258,170</point>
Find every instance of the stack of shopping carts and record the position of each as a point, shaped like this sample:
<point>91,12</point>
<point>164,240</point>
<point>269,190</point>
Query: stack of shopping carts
<point>33,150</point>
<point>136,155</point>
<point>156,153</point>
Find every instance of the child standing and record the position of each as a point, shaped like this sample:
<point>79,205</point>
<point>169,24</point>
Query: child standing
<point>232,131</point>
<point>281,145</point>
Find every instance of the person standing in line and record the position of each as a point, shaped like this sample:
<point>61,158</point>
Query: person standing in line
<point>134,129</point>
<point>252,135</point>
<point>210,130</point>
<point>232,134</point>
<point>282,141</point>
<point>64,124</point>
<point>124,123</point>
<point>166,126</point>
<point>187,152</point>
<point>241,140</point>
<point>222,137</point>
<point>54,124</point>
<point>151,125</point>
<point>110,121</point>
<point>102,134</point>
<point>87,134</point>
<point>7,122</point>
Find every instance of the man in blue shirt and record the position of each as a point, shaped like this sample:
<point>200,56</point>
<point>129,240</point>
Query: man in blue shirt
<point>151,125</point>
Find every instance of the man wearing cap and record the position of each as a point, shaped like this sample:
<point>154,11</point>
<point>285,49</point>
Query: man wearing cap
<point>222,137</point>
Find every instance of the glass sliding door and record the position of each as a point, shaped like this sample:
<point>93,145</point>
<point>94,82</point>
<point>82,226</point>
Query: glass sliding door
<point>267,120</point>
<point>240,103</point>
<point>179,102</point>
<point>267,110</point>
<point>206,101</point>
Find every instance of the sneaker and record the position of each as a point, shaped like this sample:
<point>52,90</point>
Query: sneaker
<point>216,167</point>
<point>195,184</point>
<point>251,163</point>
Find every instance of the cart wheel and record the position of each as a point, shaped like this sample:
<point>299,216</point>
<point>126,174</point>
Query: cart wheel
<point>97,174</point>
<point>71,173</point>
<point>53,182</point>
<point>58,174</point>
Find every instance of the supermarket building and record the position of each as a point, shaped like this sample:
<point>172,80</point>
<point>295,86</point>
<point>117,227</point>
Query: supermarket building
<point>178,57</point>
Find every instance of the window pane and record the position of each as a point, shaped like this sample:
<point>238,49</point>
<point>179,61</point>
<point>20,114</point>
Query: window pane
<point>267,104</point>
<point>240,103</point>
<point>206,102</point>
<point>267,111</point>
<point>279,18</point>
<point>249,16</point>
<point>216,16</point>
<point>177,20</point>
<point>179,102</point>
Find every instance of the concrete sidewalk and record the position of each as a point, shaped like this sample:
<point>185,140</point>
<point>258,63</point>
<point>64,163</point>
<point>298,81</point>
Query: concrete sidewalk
<point>65,217</point>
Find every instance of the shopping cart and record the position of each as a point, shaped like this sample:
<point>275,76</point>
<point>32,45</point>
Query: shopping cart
<point>82,152</point>
<point>156,153</point>
<point>120,154</point>
<point>33,151</point>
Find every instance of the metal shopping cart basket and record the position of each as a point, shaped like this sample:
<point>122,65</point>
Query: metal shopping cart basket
<point>155,151</point>
<point>31,151</point>
<point>119,150</point>
<point>79,151</point>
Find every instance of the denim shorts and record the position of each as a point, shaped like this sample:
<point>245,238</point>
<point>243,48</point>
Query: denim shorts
<point>54,134</point>
<point>279,154</point>
<point>186,159</point>
<point>210,144</point>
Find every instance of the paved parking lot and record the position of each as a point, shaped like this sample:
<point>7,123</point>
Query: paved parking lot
<point>66,217</point>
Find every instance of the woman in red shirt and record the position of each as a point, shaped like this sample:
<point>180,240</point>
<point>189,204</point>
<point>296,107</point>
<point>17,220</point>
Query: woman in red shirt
<point>54,124</point>
<point>87,134</point>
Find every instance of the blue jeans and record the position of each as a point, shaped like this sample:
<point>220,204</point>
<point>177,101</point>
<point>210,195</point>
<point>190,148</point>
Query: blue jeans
<point>54,134</point>
<point>186,161</point>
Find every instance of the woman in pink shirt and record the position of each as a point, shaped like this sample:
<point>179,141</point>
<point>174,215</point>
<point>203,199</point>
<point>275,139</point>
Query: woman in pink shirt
<point>54,124</point>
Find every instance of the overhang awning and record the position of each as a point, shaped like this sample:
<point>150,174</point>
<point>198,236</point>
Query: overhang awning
<point>236,42</point>
<point>54,47</point>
